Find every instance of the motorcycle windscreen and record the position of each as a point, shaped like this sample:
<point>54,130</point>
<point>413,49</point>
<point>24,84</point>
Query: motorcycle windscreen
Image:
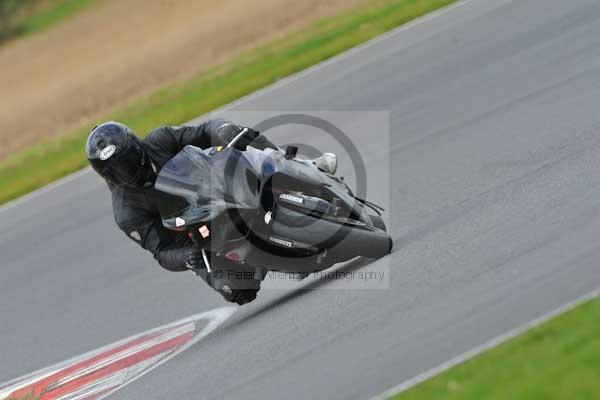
<point>197,188</point>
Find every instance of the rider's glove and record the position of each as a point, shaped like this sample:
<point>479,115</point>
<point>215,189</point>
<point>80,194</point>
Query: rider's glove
<point>195,261</point>
<point>229,131</point>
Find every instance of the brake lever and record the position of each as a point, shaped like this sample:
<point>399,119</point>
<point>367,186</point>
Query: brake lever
<point>237,138</point>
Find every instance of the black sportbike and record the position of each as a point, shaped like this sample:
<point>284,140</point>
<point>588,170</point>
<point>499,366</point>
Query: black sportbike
<point>266,210</point>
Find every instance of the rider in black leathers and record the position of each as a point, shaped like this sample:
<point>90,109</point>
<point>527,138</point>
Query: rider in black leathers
<point>130,166</point>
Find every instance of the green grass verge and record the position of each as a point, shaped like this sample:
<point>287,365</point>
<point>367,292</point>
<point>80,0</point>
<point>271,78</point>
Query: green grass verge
<point>558,360</point>
<point>252,70</point>
<point>58,12</point>
<point>21,17</point>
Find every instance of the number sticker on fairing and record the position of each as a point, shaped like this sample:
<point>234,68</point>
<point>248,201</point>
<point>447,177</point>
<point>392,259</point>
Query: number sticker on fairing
<point>292,198</point>
<point>281,242</point>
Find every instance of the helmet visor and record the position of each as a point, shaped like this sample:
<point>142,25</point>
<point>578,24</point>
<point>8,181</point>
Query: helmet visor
<point>126,168</point>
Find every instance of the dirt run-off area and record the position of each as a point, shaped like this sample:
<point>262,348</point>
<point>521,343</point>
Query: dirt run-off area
<point>117,50</point>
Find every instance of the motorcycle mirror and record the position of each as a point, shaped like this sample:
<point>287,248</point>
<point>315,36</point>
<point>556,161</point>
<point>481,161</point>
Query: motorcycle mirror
<point>291,152</point>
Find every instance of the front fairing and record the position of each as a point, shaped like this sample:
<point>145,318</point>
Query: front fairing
<point>223,189</point>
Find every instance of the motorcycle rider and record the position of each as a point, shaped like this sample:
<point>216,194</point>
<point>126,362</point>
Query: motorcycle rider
<point>130,166</point>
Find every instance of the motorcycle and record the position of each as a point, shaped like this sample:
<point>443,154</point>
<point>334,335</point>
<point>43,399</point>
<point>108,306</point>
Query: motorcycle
<point>267,210</point>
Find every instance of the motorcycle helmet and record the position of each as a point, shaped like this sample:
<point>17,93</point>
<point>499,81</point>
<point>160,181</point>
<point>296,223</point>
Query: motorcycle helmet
<point>118,155</point>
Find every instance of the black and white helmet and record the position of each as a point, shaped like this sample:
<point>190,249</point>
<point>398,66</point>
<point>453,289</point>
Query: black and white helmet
<point>118,155</point>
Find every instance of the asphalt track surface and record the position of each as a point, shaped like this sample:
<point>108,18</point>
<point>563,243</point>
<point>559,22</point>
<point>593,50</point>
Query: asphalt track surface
<point>494,189</point>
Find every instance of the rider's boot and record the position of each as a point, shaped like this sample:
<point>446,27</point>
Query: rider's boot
<point>235,282</point>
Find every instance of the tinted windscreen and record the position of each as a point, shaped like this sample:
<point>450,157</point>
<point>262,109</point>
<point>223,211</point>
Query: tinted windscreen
<point>199,187</point>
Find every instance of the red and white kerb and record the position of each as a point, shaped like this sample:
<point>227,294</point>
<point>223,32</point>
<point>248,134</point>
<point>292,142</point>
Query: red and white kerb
<point>99,373</point>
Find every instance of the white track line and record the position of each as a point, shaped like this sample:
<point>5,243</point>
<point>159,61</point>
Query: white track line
<point>485,346</point>
<point>261,92</point>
